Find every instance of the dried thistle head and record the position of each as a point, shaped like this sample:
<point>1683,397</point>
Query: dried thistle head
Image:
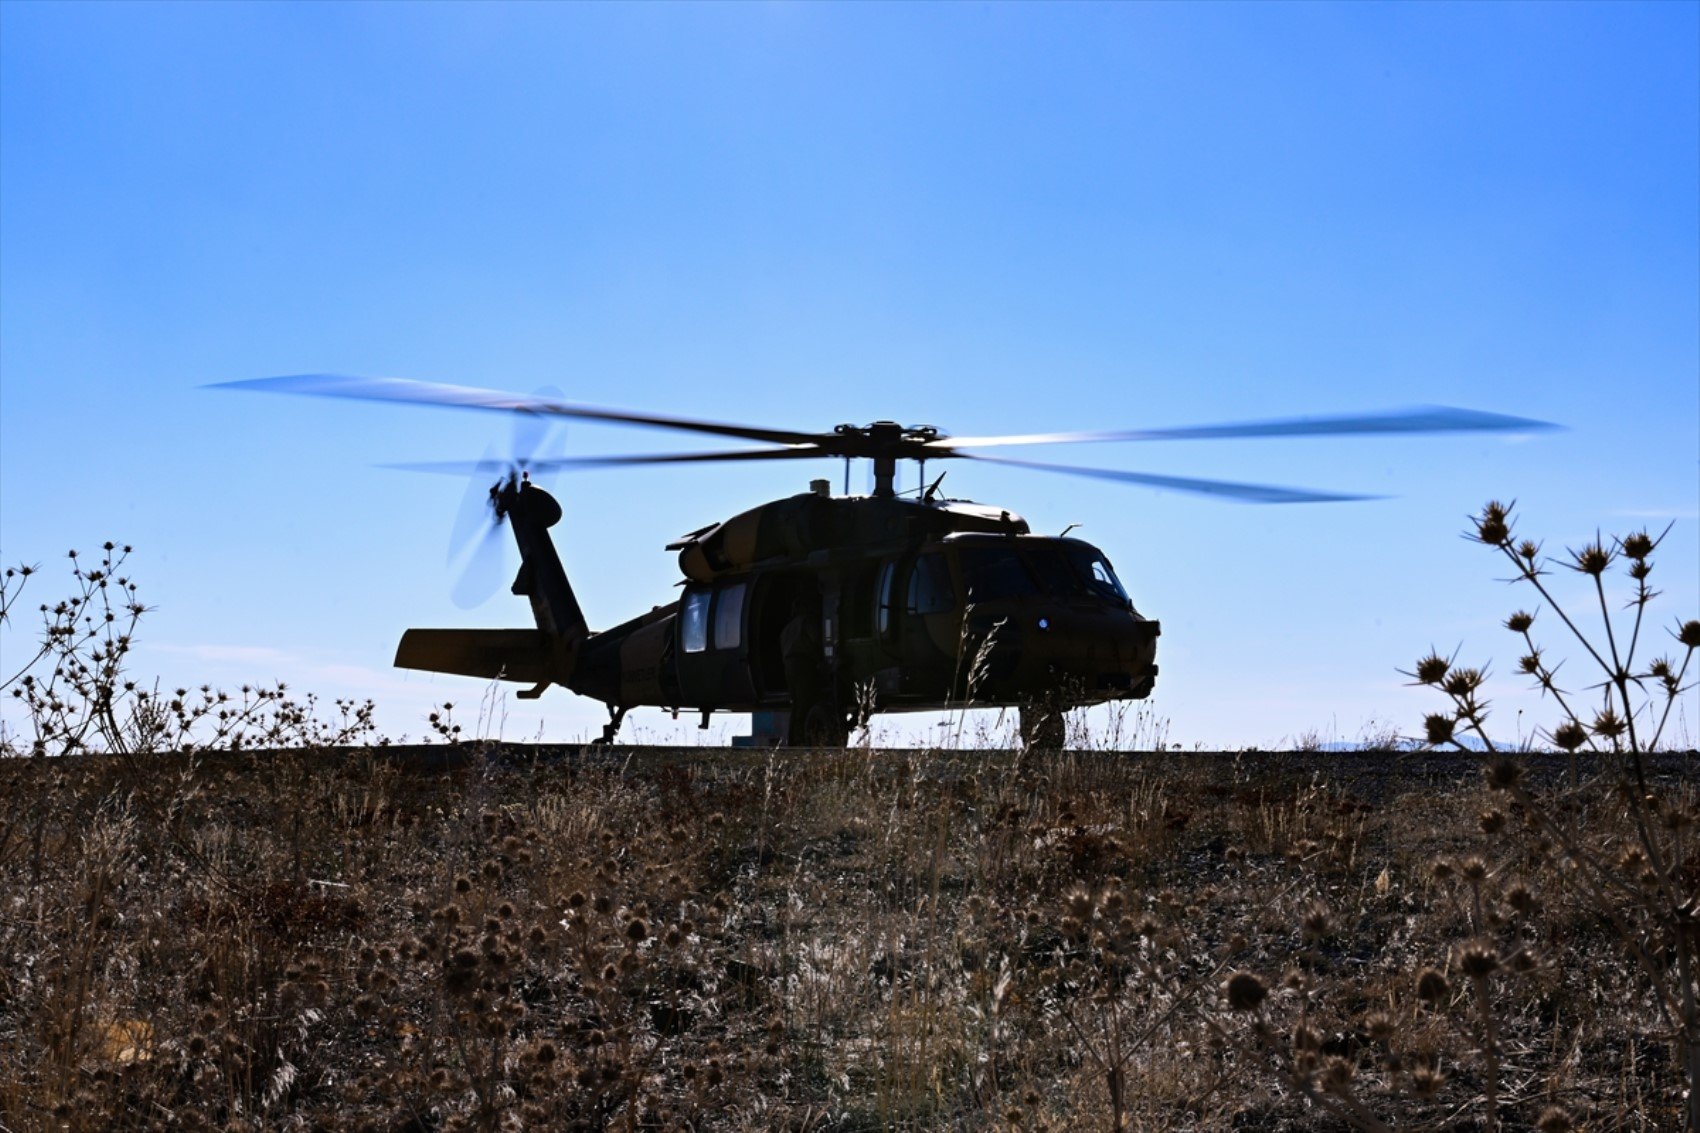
<point>1569,736</point>
<point>1426,1081</point>
<point>1246,991</point>
<point>1520,621</point>
<point>1438,728</point>
<point>1609,724</point>
<point>1493,525</point>
<point>1431,670</point>
<point>1337,1076</point>
<point>1638,545</point>
<point>1432,985</point>
<point>1478,960</point>
<point>1315,925</point>
<point>1554,1119</point>
<point>1463,682</point>
<point>1689,633</point>
<point>1591,559</point>
<point>1503,775</point>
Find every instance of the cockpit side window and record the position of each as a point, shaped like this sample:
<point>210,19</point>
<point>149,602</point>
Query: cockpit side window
<point>1094,570</point>
<point>930,591</point>
<point>992,573</point>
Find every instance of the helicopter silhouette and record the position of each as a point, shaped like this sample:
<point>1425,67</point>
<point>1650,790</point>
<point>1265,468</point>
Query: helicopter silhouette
<point>816,611</point>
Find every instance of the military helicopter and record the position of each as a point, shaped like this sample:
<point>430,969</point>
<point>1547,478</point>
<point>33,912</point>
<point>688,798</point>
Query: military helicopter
<point>815,611</point>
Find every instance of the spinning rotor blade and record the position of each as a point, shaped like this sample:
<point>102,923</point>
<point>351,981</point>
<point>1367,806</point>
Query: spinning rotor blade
<point>1423,419</point>
<point>468,397</point>
<point>569,463</point>
<point>1222,489</point>
<point>474,514</point>
<point>484,570</point>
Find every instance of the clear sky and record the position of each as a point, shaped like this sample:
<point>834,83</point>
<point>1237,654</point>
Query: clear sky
<point>989,217</point>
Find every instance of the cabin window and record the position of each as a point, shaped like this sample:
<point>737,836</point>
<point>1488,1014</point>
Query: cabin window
<point>884,599</point>
<point>993,573</point>
<point>693,621</point>
<point>930,591</point>
<point>729,617</point>
<point>1094,570</point>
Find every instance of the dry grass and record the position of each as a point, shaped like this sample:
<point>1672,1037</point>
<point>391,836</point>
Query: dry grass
<point>843,940</point>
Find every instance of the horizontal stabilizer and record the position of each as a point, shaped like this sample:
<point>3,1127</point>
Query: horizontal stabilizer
<point>494,654</point>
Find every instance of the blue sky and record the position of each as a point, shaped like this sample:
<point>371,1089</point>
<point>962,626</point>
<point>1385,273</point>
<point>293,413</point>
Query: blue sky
<point>992,218</point>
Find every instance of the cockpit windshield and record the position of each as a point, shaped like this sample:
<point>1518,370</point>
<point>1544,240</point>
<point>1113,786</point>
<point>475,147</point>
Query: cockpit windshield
<point>1061,570</point>
<point>993,573</point>
<point>1094,570</point>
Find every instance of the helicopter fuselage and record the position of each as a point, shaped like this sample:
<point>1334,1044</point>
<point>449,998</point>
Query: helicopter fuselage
<point>912,604</point>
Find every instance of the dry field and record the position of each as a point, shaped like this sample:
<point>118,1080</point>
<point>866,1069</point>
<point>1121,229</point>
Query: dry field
<point>642,939</point>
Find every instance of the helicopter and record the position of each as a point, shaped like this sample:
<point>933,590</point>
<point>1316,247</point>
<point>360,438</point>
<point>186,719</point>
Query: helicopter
<point>814,611</point>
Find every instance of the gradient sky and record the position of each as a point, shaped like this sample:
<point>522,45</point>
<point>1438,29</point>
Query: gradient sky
<point>989,217</point>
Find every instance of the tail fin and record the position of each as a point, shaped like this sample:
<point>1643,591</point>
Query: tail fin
<point>542,656</point>
<point>531,512</point>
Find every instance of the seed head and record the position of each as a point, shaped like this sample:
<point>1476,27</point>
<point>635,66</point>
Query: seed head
<point>1431,670</point>
<point>1315,924</point>
<point>1609,724</point>
<point>1080,904</point>
<point>1463,682</point>
<point>1380,1026</point>
<point>1554,1119</point>
<point>1426,1081</point>
<point>1493,526</point>
<point>1246,991</point>
<point>1569,736</point>
<point>1432,985</point>
<point>1478,960</point>
<point>1438,728</point>
<point>1474,869</point>
<point>1638,545</point>
<point>1520,622</point>
<point>1689,633</point>
<point>1337,1076</point>
<point>1503,774</point>
<point>1492,822</point>
<point>1592,559</point>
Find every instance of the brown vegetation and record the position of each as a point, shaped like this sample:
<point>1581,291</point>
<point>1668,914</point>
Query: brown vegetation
<point>845,940</point>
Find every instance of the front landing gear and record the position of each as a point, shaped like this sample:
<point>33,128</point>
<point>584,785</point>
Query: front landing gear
<point>616,715</point>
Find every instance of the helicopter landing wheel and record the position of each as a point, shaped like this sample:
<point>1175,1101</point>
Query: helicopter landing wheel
<point>1044,726</point>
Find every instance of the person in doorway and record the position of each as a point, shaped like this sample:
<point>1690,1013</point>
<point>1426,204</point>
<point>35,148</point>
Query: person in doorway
<point>800,648</point>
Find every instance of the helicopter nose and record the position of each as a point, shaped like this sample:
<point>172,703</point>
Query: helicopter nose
<point>1101,650</point>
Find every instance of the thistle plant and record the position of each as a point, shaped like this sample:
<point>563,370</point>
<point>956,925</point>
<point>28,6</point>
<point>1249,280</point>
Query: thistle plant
<point>76,695</point>
<point>1641,884</point>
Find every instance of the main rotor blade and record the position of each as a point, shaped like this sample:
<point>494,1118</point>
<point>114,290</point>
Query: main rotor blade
<point>469,397</point>
<point>1224,489</point>
<point>1422,419</point>
<point>567,463</point>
